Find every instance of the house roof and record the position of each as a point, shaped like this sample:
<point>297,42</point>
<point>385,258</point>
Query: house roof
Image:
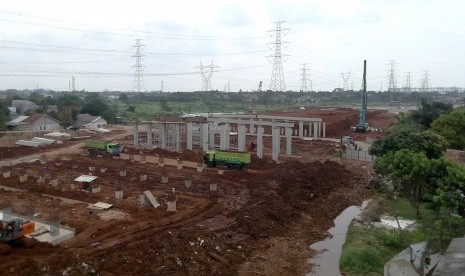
<point>22,120</point>
<point>86,119</point>
<point>22,102</point>
<point>18,121</point>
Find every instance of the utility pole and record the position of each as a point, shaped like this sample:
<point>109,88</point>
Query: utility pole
<point>278,83</point>
<point>229,86</point>
<point>138,84</point>
<point>392,76</point>
<point>345,79</point>
<point>206,72</point>
<point>304,85</point>
<point>408,86</point>
<point>161,88</point>
<point>73,83</point>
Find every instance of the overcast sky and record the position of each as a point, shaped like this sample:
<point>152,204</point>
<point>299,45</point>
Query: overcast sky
<point>44,43</point>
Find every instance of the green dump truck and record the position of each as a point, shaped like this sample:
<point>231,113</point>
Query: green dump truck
<point>231,159</point>
<point>95,147</point>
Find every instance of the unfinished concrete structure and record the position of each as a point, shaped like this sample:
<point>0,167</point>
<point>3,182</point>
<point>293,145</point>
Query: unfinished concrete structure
<point>228,132</point>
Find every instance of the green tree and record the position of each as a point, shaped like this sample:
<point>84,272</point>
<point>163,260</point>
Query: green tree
<point>428,142</point>
<point>109,115</point>
<point>164,105</point>
<point>428,112</point>
<point>452,128</point>
<point>94,105</point>
<point>36,98</point>
<point>69,100</point>
<point>410,169</point>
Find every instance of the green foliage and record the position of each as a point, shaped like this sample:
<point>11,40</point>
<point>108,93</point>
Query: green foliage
<point>69,100</point>
<point>428,112</point>
<point>366,250</point>
<point>164,105</point>
<point>3,116</point>
<point>109,115</point>
<point>94,105</point>
<point>452,128</point>
<point>36,98</point>
<point>432,144</point>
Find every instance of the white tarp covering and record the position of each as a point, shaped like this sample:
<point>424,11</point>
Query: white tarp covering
<point>100,206</point>
<point>85,178</point>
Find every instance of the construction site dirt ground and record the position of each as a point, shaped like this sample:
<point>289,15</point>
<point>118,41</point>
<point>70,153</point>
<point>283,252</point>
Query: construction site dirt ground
<point>260,221</point>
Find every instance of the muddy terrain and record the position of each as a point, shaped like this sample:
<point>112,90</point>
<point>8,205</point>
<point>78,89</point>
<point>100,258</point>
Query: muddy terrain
<point>259,221</point>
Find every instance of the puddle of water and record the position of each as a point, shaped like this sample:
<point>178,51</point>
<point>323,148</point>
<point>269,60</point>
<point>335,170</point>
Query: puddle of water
<point>326,262</point>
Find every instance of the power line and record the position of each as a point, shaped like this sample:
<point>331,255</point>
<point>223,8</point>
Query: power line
<point>278,83</point>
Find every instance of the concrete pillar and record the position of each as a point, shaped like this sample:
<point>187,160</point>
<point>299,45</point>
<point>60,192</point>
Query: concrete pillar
<point>6,173</point>
<point>275,142</point>
<point>122,172</point>
<point>319,130</point>
<point>177,136</point>
<point>143,177</point>
<point>228,135</point>
<point>260,131</point>
<point>179,164</point>
<point>189,136</point>
<point>324,130</point>
<point>150,135</point>
<point>301,129</point>
<point>252,127</point>
<point>161,161</point>
<point>204,139</point>
<point>135,141</point>
<point>211,132</point>
<point>199,167</point>
<point>223,135</point>
<point>163,135</point>
<point>288,141</point>
<point>315,129</point>
<point>241,137</point>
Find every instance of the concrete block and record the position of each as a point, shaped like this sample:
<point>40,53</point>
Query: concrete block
<point>96,189</point>
<point>103,170</point>
<point>188,183</point>
<point>58,163</point>
<point>143,177</point>
<point>220,171</point>
<point>23,178</point>
<point>142,159</point>
<point>119,194</point>
<point>142,201</point>
<point>54,182</point>
<point>122,172</point>
<point>6,174</point>
<point>91,169</point>
<point>40,179</point>
<point>179,165</point>
<point>171,206</point>
<point>164,179</point>
<point>152,199</point>
<point>200,167</point>
<point>213,187</point>
<point>75,166</point>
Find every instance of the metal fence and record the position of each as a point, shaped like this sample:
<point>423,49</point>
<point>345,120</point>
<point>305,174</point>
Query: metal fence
<point>360,155</point>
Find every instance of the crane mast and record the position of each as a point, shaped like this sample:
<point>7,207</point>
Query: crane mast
<point>362,125</point>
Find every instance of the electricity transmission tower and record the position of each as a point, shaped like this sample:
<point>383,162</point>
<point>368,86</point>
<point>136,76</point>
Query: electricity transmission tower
<point>392,76</point>
<point>138,84</point>
<point>206,71</point>
<point>304,85</point>
<point>345,79</point>
<point>278,83</point>
<point>408,86</point>
<point>425,86</point>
